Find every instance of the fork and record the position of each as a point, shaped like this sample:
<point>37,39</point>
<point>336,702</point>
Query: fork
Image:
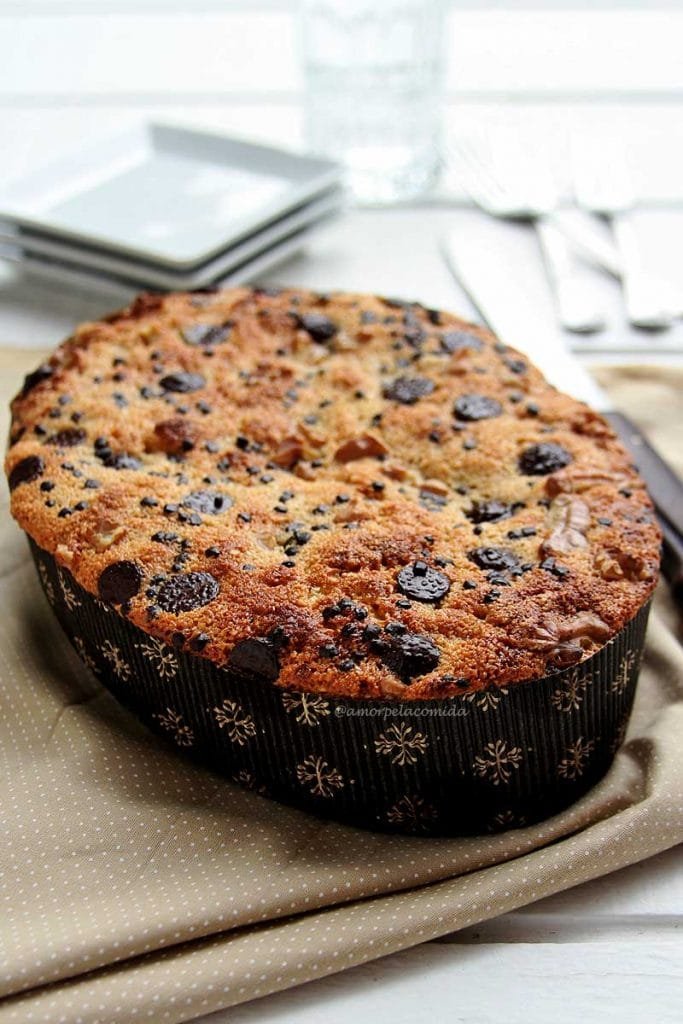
<point>603,185</point>
<point>505,181</point>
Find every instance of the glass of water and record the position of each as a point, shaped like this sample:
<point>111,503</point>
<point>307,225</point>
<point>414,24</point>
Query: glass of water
<point>373,76</point>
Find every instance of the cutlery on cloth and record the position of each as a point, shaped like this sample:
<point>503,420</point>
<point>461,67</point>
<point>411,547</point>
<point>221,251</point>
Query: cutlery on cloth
<point>488,267</point>
<point>506,181</point>
<point>603,185</point>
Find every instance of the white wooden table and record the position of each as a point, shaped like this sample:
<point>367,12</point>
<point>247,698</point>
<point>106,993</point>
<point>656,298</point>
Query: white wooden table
<point>606,951</point>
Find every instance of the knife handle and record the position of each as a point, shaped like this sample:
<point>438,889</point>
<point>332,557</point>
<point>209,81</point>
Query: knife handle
<point>666,490</point>
<point>574,301</point>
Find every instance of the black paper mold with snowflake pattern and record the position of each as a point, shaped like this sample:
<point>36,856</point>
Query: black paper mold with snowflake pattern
<point>482,762</point>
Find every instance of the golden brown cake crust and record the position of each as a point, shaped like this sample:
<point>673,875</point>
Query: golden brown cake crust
<point>337,493</point>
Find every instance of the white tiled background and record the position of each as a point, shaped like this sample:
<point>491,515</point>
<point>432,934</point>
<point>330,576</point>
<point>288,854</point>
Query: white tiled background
<point>75,68</point>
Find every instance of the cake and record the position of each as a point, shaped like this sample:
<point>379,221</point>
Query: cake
<point>343,496</point>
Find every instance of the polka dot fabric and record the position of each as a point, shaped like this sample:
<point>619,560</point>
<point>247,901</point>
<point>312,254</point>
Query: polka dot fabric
<point>138,886</point>
<point>135,885</point>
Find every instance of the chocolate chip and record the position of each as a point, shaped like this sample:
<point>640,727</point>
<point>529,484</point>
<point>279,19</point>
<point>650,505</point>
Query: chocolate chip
<point>409,655</point>
<point>320,327</point>
<point>408,390</point>
<point>113,460</point>
<point>68,438</point>
<point>187,591</point>
<point>455,341</point>
<point>515,365</point>
<point>32,380</point>
<point>255,657</point>
<point>119,582</point>
<point>199,642</point>
<point>371,631</point>
<point>541,459</point>
<point>554,568</point>
<point>493,558</point>
<point>26,471</point>
<point>476,407</point>
<point>121,460</point>
<point>414,335</point>
<point>423,583</point>
<point>207,502</point>
<point>182,382</point>
<point>206,334</point>
<point>488,511</point>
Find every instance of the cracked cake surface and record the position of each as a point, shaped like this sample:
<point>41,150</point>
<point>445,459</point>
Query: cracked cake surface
<point>338,493</point>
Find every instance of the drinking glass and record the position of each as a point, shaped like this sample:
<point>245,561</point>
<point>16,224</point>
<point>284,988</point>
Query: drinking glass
<point>373,73</point>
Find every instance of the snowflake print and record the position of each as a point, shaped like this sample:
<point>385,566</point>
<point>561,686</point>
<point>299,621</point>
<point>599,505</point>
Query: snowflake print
<point>70,599</point>
<point>306,709</point>
<point>412,812</point>
<point>623,676</point>
<point>88,661</point>
<point>489,699</point>
<point>506,819</point>
<point>113,655</point>
<point>574,764</point>
<point>231,716</point>
<point>161,657</point>
<point>249,781</point>
<point>47,584</point>
<point>569,696</point>
<point>497,761</point>
<point>323,779</point>
<point>401,744</point>
<point>172,722</point>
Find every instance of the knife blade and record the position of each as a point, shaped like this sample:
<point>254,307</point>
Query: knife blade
<point>497,269</point>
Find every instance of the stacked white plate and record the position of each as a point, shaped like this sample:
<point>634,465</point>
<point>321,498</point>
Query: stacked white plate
<point>166,207</point>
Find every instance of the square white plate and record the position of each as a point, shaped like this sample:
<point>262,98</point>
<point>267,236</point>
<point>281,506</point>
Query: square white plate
<point>172,195</point>
<point>78,278</point>
<point>150,274</point>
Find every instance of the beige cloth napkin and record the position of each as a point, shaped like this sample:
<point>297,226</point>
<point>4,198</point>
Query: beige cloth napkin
<point>135,885</point>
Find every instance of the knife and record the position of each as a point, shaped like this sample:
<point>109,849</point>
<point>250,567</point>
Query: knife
<point>498,269</point>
